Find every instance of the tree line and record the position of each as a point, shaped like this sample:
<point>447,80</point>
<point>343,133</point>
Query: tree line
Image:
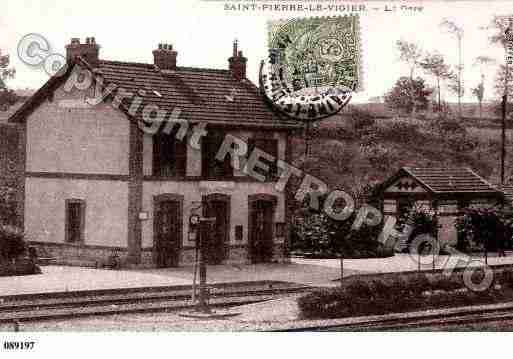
<point>411,93</point>
<point>7,97</point>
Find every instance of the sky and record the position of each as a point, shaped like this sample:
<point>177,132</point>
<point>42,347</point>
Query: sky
<point>202,32</point>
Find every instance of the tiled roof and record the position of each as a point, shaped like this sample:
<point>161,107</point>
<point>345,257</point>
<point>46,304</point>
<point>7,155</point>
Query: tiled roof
<point>450,180</point>
<point>200,94</point>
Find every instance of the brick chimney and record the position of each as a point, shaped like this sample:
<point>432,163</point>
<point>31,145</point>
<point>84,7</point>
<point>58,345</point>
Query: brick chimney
<point>237,63</point>
<point>165,57</point>
<point>88,51</point>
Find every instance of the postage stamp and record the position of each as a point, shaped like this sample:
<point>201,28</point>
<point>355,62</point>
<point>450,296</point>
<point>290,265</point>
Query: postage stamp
<point>314,65</point>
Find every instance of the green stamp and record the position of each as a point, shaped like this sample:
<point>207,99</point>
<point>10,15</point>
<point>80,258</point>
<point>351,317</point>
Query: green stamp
<point>313,67</point>
<point>318,52</point>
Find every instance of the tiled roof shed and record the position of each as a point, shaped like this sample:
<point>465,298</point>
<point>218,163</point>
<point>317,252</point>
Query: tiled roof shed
<point>443,180</point>
<point>446,182</point>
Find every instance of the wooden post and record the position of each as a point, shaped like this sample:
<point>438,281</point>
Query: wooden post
<point>503,136</point>
<point>504,108</point>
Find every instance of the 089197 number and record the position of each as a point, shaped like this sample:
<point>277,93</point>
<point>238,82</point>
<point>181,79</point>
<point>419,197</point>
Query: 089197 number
<point>28,345</point>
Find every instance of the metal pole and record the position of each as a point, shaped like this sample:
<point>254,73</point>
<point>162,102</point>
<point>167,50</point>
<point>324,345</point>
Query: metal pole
<point>196,257</point>
<point>435,244</point>
<point>203,241</point>
<point>341,269</point>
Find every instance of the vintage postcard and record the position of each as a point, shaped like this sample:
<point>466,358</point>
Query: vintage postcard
<point>173,167</point>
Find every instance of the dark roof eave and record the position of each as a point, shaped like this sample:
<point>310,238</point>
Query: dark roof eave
<point>266,126</point>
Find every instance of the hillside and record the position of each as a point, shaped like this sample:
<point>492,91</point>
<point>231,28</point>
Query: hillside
<point>356,148</point>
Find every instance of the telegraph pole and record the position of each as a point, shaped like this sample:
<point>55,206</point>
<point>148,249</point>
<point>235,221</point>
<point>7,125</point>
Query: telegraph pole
<point>508,43</point>
<point>503,135</point>
<point>460,68</point>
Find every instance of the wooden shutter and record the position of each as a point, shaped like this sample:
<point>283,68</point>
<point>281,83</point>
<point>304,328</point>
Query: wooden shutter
<point>169,156</point>
<point>269,146</point>
<point>156,155</point>
<point>211,167</point>
<point>206,159</point>
<point>180,157</point>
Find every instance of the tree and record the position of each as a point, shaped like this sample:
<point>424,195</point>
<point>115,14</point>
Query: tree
<point>479,90</point>
<point>411,54</point>
<point>434,65</point>
<point>7,97</point>
<point>408,95</point>
<point>456,31</point>
<point>502,26</point>
<point>454,85</point>
<point>503,84</point>
<point>5,71</point>
<point>497,28</point>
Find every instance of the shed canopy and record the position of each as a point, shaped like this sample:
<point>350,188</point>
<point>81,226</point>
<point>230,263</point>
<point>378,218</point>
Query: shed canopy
<point>439,182</point>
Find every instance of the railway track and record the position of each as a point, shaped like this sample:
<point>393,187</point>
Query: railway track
<point>416,322</point>
<point>37,307</point>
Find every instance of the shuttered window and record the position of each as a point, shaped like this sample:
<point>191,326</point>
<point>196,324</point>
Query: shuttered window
<point>213,169</point>
<point>75,221</point>
<point>169,156</point>
<point>269,146</point>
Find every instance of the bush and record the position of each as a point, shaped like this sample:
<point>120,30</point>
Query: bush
<point>318,236</point>
<point>12,243</point>
<point>7,99</point>
<point>402,98</point>
<point>361,119</point>
<point>490,228</point>
<point>380,156</point>
<point>7,204</point>
<point>12,249</point>
<point>402,132</point>
<point>398,295</point>
<point>20,267</point>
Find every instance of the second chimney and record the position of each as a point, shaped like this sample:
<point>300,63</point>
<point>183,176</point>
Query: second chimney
<point>88,51</point>
<point>165,57</point>
<point>237,63</point>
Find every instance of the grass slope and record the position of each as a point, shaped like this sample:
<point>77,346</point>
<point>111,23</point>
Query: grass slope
<point>346,151</point>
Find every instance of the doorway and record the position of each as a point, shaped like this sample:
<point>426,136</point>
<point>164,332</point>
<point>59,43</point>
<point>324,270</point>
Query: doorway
<point>218,206</point>
<point>168,231</point>
<point>261,229</point>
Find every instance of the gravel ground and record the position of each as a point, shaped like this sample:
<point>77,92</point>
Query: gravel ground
<point>252,317</point>
<point>270,315</point>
